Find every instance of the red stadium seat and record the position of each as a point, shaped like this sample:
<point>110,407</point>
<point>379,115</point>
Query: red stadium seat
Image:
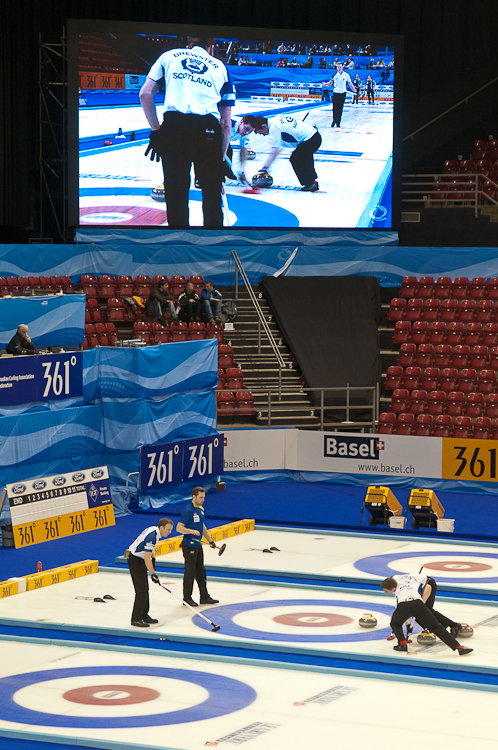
<point>143,285</point>
<point>393,379</point>
<point>443,426</point>
<point>197,331</point>
<point>112,334</point>
<point>442,287</point>
<point>424,425</point>
<point>420,332</point>
<point>473,333</point>
<point>442,355</point>
<point>399,401</point>
<point>408,286</point>
<point>407,354</point>
<point>227,404</point>
<point>460,287</point>
<point>462,428</point>
<point>107,284</point>
<point>142,330</point>
<point>405,424</point>
<point>34,282</point>
<point>68,284</point>
<point>94,309</point>
<point>397,309</point>
<point>235,378</point>
<point>402,332</point>
<point>455,403</point>
<point>454,333</point>
<point>493,288</point>
<point>485,311</point>
<point>418,402</point>
<point>437,333</point>
<point>159,278</point>
<point>479,287</point>
<point>56,283</point>
<point>387,423</point>
<point>451,166</point>
<point>411,378</point>
<point>467,380</point>
<point>493,358</point>
<point>14,285</point>
<point>448,379</point>
<point>461,356</point>
<point>179,335</point>
<point>126,286</point>
<point>486,381</point>
<point>425,354</point>
<point>414,309</point>
<point>424,287</point>
<point>245,404</point>
<point>490,335</point>
<point>432,310</point>
<point>467,310</point>
<point>225,356</point>
<point>482,428</point>
<point>492,405</point>
<point>449,310</point>
<point>474,405</point>
<point>436,402</point>
<point>479,357</point>
<point>115,309</point>
<point>430,378</point>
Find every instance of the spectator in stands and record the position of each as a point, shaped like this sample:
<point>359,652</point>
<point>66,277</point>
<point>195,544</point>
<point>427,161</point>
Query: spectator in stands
<point>391,63</point>
<point>159,300</point>
<point>20,342</point>
<point>211,302</point>
<point>322,63</point>
<point>381,63</point>
<point>349,63</point>
<point>308,63</point>
<point>281,63</point>
<point>190,304</point>
<point>371,64</point>
<point>293,63</point>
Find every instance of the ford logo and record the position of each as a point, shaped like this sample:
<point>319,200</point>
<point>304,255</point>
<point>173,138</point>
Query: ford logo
<point>59,481</point>
<point>40,484</point>
<point>17,489</point>
<point>78,477</point>
<point>97,473</point>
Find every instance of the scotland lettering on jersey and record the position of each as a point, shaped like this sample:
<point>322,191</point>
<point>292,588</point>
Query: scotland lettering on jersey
<point>194,82</point>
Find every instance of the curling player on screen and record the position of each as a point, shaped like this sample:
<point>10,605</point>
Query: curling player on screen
<point>198,96</point>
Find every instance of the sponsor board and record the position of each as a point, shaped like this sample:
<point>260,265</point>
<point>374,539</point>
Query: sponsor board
<point>471,460</point>
<point>255,450</point>
<point>353,453</point>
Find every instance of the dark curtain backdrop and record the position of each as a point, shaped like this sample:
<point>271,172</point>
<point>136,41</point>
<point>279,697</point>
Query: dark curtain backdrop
<point>450,50</point>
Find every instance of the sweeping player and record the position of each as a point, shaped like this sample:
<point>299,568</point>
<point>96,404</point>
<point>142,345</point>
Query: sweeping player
<point>140,561</point>
<point>198,98</point>
<point>305,140</point>
<point>409,603</point>
<point>241,128</point>
<point>193,528</point>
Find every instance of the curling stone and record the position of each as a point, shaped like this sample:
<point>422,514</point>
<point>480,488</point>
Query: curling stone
<point>465,631</point>
<point>157,193</point>
<point>250,155</point>
<point>367,621</point>
<point>426,638</point>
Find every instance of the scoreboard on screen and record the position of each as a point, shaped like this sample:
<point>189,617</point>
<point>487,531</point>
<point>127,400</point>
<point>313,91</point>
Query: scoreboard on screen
<point>170,464</point>
<point>59,506</point>
<point>285,90</point>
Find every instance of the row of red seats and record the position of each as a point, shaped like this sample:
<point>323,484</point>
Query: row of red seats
<point>425,425</point>
<point>125,286</point>
<point>230,379</point>
<point>17,284</point>
<point>240,404</point>
<point>487,150</point>
<point>436,402</point>
<point>412,378</point>
<point>157,333</point>
<point>443,287</point>
<point>448,310</point>
<point>440,332</point>
<point>465,190</point>
<point>100,334</point>
<point>444,355</point>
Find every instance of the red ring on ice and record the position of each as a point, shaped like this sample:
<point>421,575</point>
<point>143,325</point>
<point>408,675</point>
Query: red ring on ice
<point>297,618</point>
<point>87,695</point>
<point>463,566</point>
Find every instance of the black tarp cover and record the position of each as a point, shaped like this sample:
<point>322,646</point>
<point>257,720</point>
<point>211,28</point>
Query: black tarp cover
<point>331,326</point>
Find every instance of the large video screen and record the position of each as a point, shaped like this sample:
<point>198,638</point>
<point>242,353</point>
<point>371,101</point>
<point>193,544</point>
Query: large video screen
<point>251,128</point>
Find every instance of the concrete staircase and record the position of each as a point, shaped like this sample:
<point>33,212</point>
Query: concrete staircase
<point>261,369</point>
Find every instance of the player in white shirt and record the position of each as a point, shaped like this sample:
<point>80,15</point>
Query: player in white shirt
<point>341,82</point>
<point>140,560</point>
<point>285,131</point>
<point>408,590</point>
<point>198,96</point>
<point>241,128</point>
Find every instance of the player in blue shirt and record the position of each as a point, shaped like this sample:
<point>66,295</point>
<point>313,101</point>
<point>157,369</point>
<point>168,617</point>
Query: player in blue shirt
<point>196,126</point>
<point>193,528</point>
<point>140,560</point>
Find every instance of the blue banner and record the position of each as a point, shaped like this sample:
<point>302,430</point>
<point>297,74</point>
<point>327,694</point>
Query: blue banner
<point>169,464</point>
<point>52,321</point>
<point>150,372</point>
<point>25,380</point>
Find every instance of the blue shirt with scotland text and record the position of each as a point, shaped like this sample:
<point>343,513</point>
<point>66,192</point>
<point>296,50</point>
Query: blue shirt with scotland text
<point>192,518</point>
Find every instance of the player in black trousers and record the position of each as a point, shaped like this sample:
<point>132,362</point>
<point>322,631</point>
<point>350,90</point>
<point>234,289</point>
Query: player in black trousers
<point>196,126</point>
<point>407,590</point>
<point>193,528</point>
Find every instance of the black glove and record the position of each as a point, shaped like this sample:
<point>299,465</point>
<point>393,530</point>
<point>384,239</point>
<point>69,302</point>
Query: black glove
<point>154,578</point>
<point>212,544</point>
<point>154,146</point>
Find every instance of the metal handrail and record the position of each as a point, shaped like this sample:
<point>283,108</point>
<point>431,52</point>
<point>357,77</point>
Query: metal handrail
<point>425,195</point>
<point>261,319</point>
<point>374,406</point>
<point>458,104</point>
